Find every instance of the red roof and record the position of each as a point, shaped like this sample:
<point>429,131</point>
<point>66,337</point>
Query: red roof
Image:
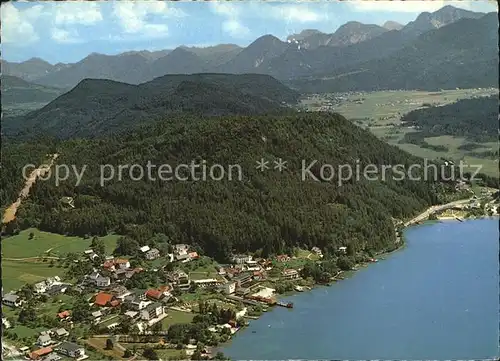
<point>164,288</point>
<point>193,255</point>
<point>108,264</point>
<point>40,352</point>
<point>103,298</point>
<point>156,294</point>
<point>63,314</point>
<point>119,260</point>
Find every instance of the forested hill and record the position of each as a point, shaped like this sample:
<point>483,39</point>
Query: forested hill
<point>476,119</point>
<point>97,107</point>
<point>268,211</point>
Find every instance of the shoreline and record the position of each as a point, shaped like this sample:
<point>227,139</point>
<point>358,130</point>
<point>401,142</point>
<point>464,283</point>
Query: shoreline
<point>342,275</point>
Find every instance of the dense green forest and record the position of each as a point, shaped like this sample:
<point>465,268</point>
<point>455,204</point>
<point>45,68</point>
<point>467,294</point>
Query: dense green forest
<point>475,119</point>
<point>97,107</point>
<point>268,212</point>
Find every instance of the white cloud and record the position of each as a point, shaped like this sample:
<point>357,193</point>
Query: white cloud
<point>235,28</point>
<point>296,13</point>
<point>232,24</point>
<point>225,8</point>
<point>64,36</point>
<point>17,28</point>
<point>405,6</point>
<point>84,13</point>
<point>133,17</point>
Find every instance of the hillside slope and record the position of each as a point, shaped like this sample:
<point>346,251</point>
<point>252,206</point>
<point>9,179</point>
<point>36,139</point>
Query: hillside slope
<point>267,211</point>
<point>97,107</point>
<point>17,91</point>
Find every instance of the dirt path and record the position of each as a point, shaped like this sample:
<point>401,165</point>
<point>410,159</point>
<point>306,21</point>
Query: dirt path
<point>10,213</point>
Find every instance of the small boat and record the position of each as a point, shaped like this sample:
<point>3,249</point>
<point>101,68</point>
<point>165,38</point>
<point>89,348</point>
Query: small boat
<point>254,331</point>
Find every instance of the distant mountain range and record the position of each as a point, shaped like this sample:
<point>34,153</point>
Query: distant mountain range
<point>98,107</point>
<point>354,47</point>
<point>438,59</point>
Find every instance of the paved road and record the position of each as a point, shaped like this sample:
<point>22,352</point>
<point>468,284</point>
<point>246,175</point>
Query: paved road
<point>425,215</point>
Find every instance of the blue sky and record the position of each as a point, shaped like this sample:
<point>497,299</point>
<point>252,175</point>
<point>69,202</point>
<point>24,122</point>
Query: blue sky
<point>69,31</point>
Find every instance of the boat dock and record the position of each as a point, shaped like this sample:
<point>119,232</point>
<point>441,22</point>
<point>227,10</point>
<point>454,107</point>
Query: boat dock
<point>285,304</point>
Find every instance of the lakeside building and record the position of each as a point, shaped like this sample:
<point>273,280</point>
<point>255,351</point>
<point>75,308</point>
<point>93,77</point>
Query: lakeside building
<point>290,274</point>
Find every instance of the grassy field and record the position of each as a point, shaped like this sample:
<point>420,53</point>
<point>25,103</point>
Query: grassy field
<point>15,274</point>
<point>380,113</point>
<point>175,316</point>
<point>19,263</point>
<point>20,246</point>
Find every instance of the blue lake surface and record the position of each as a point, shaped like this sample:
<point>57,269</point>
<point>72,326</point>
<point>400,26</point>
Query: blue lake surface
<point>436,299</point>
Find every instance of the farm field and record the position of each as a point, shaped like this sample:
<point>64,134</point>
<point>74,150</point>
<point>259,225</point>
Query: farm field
<point>26,260</point>
<point>380,113</point>
<point>48,244</point>
<point>15,274</point>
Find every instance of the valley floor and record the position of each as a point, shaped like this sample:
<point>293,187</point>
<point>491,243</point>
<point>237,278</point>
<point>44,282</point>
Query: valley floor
<point>381,113</point>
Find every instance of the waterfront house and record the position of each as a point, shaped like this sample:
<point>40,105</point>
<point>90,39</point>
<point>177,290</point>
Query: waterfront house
<point>241,258</point>
<point>12,300</point>
<point>290,274</point>
<point>206,282</point>
<point>72,350</point>
<point>152,254</point>
<point>152,311</point>
<point>43,340</point>
<point>229,288</point>
<point>243,279</point>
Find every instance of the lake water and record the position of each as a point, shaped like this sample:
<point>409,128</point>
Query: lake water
<point>436,299</point>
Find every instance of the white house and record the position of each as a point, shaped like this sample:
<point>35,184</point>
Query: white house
<point>343,249</point>
<point>153,253</point>
<point>230,287</point>
<point>43,340</point>
<point>40,287</point>
<point>181,249</point>
<point>72,350</point>
<point>144,249</point>
<point>241,258</point>
<point>152,311</point>
<point>139,304</point>
<point>12,300</point>
<point>102,281</point>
